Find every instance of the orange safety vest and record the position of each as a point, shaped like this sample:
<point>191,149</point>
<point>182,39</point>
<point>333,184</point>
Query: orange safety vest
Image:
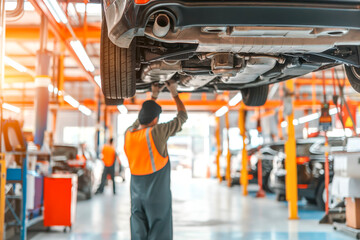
<point>109,155</point>
<point>140,149</point>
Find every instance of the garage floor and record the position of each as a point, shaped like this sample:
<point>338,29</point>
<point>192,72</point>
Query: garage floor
<point>202,209</point>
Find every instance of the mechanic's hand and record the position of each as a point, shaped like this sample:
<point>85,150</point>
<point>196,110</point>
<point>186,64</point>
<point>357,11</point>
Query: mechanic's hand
<point>155,89</point>
<point>172,86</point>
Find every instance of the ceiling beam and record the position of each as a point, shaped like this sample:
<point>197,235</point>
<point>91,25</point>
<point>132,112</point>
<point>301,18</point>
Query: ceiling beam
<point>60,32</point>
<point>32,33</point>
<point>22,78</point>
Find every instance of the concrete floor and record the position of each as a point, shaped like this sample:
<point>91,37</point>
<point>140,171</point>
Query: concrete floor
<point>202,209</point>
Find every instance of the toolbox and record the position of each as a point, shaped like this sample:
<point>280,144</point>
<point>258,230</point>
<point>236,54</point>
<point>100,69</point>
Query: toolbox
<point>60,196</point>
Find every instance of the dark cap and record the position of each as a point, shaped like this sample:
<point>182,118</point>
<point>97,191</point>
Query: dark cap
<point>149,111</point>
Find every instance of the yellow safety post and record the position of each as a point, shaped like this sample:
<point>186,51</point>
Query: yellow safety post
<point>2,194</point>
<point>61,76</point>
<point>218,145</point>
<point>290,160</point>
<point>244,180</point>
<point>228,155</point>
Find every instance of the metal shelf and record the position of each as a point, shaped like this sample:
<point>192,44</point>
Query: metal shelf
<point>19,175</point>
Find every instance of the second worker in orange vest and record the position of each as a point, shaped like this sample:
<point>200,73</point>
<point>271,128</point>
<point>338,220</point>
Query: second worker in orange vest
<point>109,157</point>
<point>146,150</point>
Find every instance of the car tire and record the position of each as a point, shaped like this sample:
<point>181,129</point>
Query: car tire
<point>353,74</point>
<point>280,197</point>
<point>117,69</point>
<point>311,201</point>
<point>319,196</point>
<point>266,183</point>
<point>88,195</point>
<point>255,96</point>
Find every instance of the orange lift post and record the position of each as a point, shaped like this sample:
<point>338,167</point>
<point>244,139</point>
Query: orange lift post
<point>244,170</point>
<point>228,155</point>
<point>2,156</point>
<point>290,160</point>
<point>218,144</point>
<point>2,194</point>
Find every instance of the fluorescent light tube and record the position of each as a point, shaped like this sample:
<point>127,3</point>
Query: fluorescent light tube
<point>97,79</point>
<point>56,11</point>
<point>70,100</point>
<point>284,124</point>
<point>122,109</point>
<point>84,110</point>
<point>235,100</point>
<point>333,111</point>
<point>51,88</point>
<point>16,65</point>
<point>221,111</point>
<point>309,118</point>
<point>81,53</point>
<point>9,6</point>
<point>11,107</point>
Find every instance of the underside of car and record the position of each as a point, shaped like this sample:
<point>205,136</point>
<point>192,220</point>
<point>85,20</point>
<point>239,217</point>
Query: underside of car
<point>203,52</point>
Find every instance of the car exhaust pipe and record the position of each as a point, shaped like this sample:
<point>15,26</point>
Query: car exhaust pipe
<point>161,26</point>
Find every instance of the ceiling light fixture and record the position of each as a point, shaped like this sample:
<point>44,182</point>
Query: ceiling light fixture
<point>97,79</point>
<point>221,111</point>
<point>81,53</point>
<point>11,107</point>
<point>16,65</point>
<point>70,100</point>
<point>309,118</point>
<point>333,111</point>
<point>122,109</point>
<point>56,11</point>
<point>85,110</point>
<point>235,100</point>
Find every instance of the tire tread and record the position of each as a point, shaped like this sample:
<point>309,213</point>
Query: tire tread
<point>255,96</point>
<point>117,67</point>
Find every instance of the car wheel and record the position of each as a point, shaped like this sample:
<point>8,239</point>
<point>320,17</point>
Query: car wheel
<point>311,200</point>
<point>321,196</point>
<point>280,197</point>
<point>266,183</point>
<point>255,96</point>
<point>332,200</point>
<point>353,74</point>
<point>117,69</point>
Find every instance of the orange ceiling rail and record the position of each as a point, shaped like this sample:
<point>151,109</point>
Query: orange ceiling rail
<point>23,78</point>
<point>317,81</point>
<point>32,33</point>
<point>60,33</point>
<point>191,105</point>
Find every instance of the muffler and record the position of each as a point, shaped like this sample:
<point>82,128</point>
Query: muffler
<point>161,25</point>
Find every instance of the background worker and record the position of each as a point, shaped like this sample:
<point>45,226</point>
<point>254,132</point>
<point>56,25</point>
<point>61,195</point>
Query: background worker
<point>146,150</point>
<point>109,156</point>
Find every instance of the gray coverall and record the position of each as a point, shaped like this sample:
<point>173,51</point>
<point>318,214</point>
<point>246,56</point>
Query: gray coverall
<point>151,201</point>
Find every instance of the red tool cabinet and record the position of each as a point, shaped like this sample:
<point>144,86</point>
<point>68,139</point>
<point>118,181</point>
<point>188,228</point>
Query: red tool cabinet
<point>60,196</point>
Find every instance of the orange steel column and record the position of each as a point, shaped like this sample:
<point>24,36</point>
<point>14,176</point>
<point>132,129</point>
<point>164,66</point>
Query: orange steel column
<point>2,194</point>
<point>218,145</point>
<point>244,180</point>
<point>313,94</point>
<point>61,76</point>
<point>290,161</point>
<point>228,155</point>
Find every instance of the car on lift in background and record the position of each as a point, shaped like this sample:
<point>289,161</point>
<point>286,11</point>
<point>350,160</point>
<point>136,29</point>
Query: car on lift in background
<point>236,166</point>
<point>211,46</point>
<point>310,158</point>
<point>266,154</point>
<point>80,161</point>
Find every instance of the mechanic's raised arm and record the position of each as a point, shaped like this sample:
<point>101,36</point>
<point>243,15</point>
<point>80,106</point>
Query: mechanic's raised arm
<point>163,131</point>
<point>172,86</point>
<point>156,90</point>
